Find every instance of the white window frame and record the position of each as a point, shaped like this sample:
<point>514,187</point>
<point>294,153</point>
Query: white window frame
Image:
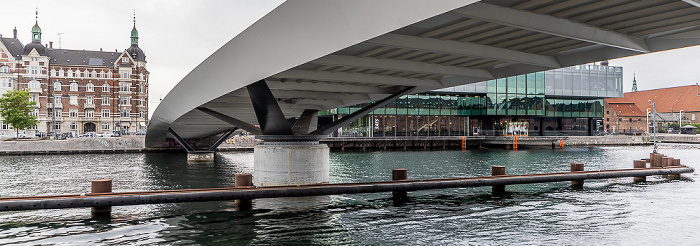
<point>73,100</point>
<point>73,126</point>
<point>90,100</point>
<point>125,113</point>
<point>105,87</point>
<point>58,113</point>
<point>125,59</point>
<point>70,73</point>
<point>73,112</point>
<point>124,87</point>
<point>89,113</point>
<point>61,73</point>
<point>105,126</point>
<point>73,86</point>
<point>34,84</point>
<point>90,87</point>
<point>57,86</point>
<point>125,100</point>
<point>105,113</point>
<point>105,100</point>
<point>126,75</point>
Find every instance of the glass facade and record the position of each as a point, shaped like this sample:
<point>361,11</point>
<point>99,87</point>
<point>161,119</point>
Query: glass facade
<point>567,101</point>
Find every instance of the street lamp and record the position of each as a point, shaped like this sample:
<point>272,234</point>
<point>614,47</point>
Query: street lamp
<point>648,120</point>
<point>654,127</point>
<point>680,116</point>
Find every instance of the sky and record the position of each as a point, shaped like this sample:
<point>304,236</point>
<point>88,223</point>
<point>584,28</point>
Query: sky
<point>177,35</point>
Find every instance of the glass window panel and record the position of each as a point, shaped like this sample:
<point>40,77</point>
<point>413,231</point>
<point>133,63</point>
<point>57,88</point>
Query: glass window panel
<point>502,106</point>
<point>531,83</point>
<point>491,86</point>
<point>539,86</point>
<point>550,107</point>
<point>522,84</point>
<point>585,91</point>
<point>512,84</point>
<point>558,82</point>
<point>491,104</point>
<point>549,82</point>
<point>568,78</point>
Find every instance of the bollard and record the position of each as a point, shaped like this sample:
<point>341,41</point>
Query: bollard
<point>243,181</point>
<point>397,175</point>
<point>577,167</point>
<point>101,186</point>
<point>664,161</point>
<point>497,171</point>
<point>640,164</point>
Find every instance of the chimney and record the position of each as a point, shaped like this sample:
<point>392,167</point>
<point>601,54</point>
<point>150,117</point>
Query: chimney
<point>604,63</point>
<point>15,32</point>
<point>50,44</point>
<point>100,49</point>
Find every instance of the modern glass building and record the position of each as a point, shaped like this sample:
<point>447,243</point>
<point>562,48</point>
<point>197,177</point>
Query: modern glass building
<point>567,101</point>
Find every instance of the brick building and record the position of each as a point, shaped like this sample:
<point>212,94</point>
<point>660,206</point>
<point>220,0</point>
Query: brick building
<point>78,91</point>
<point>683,101</point>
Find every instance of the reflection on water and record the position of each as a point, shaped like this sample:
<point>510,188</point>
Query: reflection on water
<point>607,212</point>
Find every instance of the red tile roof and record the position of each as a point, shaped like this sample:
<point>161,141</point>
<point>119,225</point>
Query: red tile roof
<point>625,108</point>
<point>674,99</point>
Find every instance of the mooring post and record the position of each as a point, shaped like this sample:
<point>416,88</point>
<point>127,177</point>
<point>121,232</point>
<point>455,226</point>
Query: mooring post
<point>497,171</point>
<point>577,167</point>
<point>101,186</point>
<point>243,181</point>
<point>396,175</point>
<point>640,164</point>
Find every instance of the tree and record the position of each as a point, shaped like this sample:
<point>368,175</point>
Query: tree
<point>16,110</point>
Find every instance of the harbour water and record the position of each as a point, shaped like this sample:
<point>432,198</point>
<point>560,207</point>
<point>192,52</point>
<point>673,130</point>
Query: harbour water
<point>604,212</point>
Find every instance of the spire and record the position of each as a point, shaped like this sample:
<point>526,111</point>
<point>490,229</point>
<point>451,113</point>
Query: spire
<point>634,82</point>
<point>134,32</point>
<point>36,30</point>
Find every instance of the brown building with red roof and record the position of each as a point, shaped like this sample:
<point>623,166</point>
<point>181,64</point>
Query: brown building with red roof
<point>625,113</point>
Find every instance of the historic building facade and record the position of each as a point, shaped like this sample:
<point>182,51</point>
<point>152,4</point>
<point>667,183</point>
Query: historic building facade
<point>78,91</point>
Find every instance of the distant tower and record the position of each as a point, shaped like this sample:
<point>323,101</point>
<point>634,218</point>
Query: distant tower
<point>634,83</point>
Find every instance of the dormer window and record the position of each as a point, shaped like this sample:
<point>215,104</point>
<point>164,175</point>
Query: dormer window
<point>125,59</point>
<point>56,86</point>
<point>61,73</point>
<point>90,87</point>
<point>70,73</point>
<point>94,74</point>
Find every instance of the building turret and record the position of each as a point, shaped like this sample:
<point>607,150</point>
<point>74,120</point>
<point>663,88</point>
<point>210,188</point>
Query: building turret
<point>134,51</point>
<point>36,39</point>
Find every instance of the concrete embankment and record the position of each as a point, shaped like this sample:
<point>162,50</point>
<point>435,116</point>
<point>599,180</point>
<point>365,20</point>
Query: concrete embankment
<point>630,140</point>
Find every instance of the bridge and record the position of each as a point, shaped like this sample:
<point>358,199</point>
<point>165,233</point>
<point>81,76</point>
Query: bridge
<point>308,56</point>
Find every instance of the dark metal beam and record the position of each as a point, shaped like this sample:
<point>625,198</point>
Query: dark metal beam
<point>221,139</point>
<point>307,122</point>
<point>330,128</point>
<point>181,141</point>
<point>233,121</point>
<point>268,112</point>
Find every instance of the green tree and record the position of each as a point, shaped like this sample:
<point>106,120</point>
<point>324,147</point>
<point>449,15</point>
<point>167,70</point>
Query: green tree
<point>16,109</point>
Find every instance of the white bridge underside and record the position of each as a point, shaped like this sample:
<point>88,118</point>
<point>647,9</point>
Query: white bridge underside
<point>325,54</point>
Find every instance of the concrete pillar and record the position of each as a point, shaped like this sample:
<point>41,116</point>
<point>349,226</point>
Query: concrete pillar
<point>243,181</point>
<point>396,175</point>
<point>640,164</point>
<point>101,186</point>
<point>290,163</point>
<point>498,171</point>
<point>577,167</point>
<point>200,157</point>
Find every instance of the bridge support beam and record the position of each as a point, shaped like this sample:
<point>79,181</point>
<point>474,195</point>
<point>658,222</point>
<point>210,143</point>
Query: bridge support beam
<point>291,163</point>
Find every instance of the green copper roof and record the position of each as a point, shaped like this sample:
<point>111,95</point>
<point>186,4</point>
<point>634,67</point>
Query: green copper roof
<point>134,36</point>
<point>36,32</point>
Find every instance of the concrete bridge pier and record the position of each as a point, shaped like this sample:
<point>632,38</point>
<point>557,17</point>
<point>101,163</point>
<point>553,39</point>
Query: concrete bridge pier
<point>291,163</point>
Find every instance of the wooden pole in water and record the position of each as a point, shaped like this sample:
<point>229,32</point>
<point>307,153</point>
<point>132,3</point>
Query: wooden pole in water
<point>640,164</point>
<point>397,175</point>
<point>498,171</point>
<point>243,181</point>
<point>674,162</point>
<point>577,167</point>
<point>101,186</point>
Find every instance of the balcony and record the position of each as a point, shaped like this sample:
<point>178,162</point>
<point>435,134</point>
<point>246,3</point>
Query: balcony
<point>51,105</point>
<point>92,106</point>
<point>34,90</point>
<point>89,119</point>
<point>124,92</point>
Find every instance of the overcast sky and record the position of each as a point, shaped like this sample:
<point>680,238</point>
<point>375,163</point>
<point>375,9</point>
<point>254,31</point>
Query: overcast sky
<point>178,35</point>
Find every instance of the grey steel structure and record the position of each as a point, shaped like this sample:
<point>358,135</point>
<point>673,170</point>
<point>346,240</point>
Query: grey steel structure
<point>306,56</point>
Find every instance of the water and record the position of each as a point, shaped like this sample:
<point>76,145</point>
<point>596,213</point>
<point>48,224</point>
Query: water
<point>605,212</point>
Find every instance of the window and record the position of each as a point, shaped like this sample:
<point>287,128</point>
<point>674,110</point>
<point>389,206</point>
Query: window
<point>57,98</point>
<point>125,59</point>
<point>102,74</point>
<point>73,100</point>
<point>125,113</point>
<point>90,87</point>
<point>89,113</point>
<point>124,86</point>
<point>58,113</point>
<point>126,75</point>
<point>70,73</point>
<point>53,72</point>
<point>105,126</point>
<point>57,126</point>
<point>61,73</point>
<point>57,86</point>
<point>4,126</point>
<point>109,74</point>
<point>83,73</point>
<point>105,100</point>
<point>90,100</point>
<point>124,101</point>
<point>141,102</point>
<point>6,82</point>
<point>74,126</point>
<point>35,113</point>
<point>4,69</point>
<point>73,86</point>
<point>142,114</point>
<point>630,119</point>
<point>34,98</point>
<point>73,112</point>
<point>93,74</point>
<point>141,88</point>
<point>34,84</point>
<point>105,87</point>
<point>34,70</point>
<point>105,113</point>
